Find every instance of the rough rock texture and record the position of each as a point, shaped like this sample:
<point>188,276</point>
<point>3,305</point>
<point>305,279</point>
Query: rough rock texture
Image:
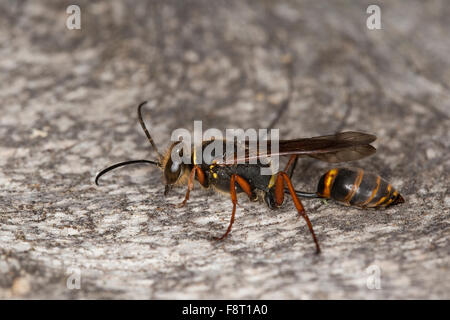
<point>68,109</point>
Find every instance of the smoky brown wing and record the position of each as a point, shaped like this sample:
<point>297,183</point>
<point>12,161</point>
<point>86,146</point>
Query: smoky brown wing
<point>325,143</point>
<point>340,147</point>
<point>347,154</point>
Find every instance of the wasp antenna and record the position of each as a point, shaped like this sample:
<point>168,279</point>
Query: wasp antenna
<point>149,137</point>
<point>121,164</point>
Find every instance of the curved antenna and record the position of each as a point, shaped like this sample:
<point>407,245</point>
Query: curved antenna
<point>149,137</point>
<point>120,164</point>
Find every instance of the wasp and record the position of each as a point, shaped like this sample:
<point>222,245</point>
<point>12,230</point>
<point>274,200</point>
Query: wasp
<point>234,177</point>
<point>355,187</point>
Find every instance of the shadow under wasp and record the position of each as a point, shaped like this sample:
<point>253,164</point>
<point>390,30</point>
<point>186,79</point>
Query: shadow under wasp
<point>347,186</point>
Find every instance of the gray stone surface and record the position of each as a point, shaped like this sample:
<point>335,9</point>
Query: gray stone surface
<point>68,109</point>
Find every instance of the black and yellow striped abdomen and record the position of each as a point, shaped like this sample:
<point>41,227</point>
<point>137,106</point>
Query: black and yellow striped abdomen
<point>355,187</point>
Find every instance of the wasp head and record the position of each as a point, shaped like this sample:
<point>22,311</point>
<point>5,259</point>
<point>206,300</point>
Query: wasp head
<point>174,167</point>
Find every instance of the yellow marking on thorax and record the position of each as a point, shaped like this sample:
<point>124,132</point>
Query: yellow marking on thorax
<point>211,167</point>
<point>272,181</point>
<point>273,177</point>
<point>328,182</point>
<point>194,156</point>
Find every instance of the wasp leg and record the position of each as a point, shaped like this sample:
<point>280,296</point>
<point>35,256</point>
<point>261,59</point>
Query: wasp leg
<point>201,178</point>
<point>279,197</point>
<point>292,163</point>
<point>293,168</point>
<point>292,159</point>
<point>269,199</point>
<point>247,189</point>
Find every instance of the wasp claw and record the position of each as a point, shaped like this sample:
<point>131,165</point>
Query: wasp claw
<point>180,205</point>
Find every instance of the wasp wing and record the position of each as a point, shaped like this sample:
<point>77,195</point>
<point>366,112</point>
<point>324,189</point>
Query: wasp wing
<point>340,147</point>
<point>348,154</point>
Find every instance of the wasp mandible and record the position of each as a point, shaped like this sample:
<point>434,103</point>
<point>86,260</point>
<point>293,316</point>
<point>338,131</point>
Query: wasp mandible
<point>234,177</point>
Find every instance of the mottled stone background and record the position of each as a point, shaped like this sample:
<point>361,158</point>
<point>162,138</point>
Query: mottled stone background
<point>68,109</point>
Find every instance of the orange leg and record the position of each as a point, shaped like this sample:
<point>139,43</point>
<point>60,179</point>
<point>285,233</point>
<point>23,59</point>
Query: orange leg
<point>201,179</point>
<point>279,197</point>
<point>190,187</point>
<point>291,163</point>
<point>279,190</point>
<point>247,189</point>
<point>292,159</point>
<point>292,168</point>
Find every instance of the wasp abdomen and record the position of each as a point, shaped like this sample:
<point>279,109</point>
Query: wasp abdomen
<point>355,187</point>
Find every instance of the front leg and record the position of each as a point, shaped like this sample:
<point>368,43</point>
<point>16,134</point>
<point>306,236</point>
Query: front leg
<point>196,170</point>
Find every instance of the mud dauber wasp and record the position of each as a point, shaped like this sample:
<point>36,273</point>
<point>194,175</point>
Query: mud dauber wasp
<point>347,186</point>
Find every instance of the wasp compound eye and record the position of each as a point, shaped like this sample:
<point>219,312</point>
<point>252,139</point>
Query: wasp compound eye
<point>172,171</point>
<point>175,167</point>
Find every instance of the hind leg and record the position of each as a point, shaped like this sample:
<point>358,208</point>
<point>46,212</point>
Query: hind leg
<point>279,198</point>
